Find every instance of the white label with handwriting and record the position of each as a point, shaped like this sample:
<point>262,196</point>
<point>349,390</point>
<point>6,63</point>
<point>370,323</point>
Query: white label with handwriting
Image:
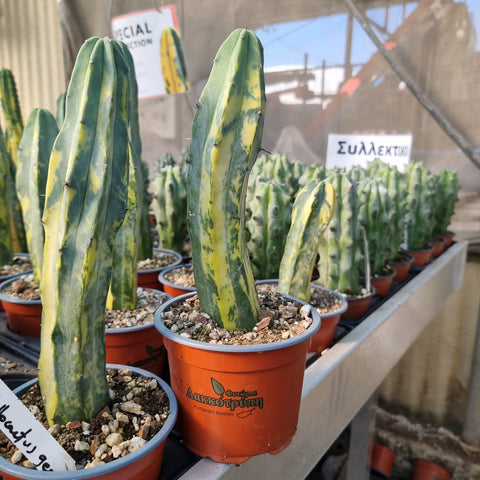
<point>29,435</point>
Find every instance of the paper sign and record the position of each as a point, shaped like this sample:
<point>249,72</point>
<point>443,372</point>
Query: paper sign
<point>30,436</point>
<point>141,32</point>
<point>348,150</point>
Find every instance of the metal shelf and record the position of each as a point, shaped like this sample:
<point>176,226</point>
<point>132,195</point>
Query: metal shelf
<point>343,381</point>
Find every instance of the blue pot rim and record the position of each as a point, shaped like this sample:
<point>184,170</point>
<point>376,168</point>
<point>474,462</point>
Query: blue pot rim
<point>164,250</point>
<point>18,301</point>
<point>341,297</point>
<point>258,348</point>
<point>29,474</point>
<point>162,279</point>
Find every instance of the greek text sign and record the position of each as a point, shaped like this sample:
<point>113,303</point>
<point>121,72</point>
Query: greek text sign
<point>29,435</point>
<point>141,32</point>
<point>348,150</point>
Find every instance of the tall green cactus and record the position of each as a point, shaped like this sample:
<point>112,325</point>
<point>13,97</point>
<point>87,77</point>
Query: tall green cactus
<point>268,225</point>
<point>446,196</point>
<point>13,134</point>
<point>313,210</point>
<point>419,208</point>
<point>376,217</point>
<point>60,113</point>
<point>86,198</point>
<point>340,250</point>
<point>6,249</point>
<point>32,169</point>
<point>169,204</point>
<point>226,135</point>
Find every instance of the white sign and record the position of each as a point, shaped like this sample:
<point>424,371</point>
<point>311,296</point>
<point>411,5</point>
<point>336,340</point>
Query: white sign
<point>348,150</point>
<point>30,436</point>
<point>141,32</point>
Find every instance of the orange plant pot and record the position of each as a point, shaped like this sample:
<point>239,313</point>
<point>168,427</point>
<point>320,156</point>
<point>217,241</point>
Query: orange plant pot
<point>382,460</point>
<point>426,470</point>
<point>448,237</point>
<point>401,266</point>
<point>149,278</point>
<point>358,306</point>
<point>4,278</point>
<point>438,244</point>
<point>144,463</point>
<point>236,401</point>
<point>422,256</point>
<point>382,284</point>
<point>24,317</point>
<point>173,289</point>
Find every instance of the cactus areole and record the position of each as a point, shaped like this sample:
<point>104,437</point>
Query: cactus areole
<point>86,198</point>
<point>226,135</point>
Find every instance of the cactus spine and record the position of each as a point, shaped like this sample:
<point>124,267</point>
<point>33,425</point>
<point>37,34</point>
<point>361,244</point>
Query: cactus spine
<point>32,169</point>
<point>6,250</point>
<point>313,209</point>
<point>446,196</point>
<point>172,62</point>
<point>226,135</point>
<point>341,245</point>
<point>85,203</point>
<point>13,134</point>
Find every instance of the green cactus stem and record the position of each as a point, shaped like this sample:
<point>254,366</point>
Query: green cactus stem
<point>86,198</point>
<point>226,135</point>
<point>60,114</point>
<point>6,249</point>
<point>32,169</point>
<point>446,196</point>
<point>170,207</point>
<point>313,209</point>
<point>267,225</point>
<point>340,250</point>
<point>172,62</point>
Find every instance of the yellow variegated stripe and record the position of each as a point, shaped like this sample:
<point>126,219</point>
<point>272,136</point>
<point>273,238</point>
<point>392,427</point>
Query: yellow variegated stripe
<point>313,210</point>
<point>85,204</point>
<point>226,137</point>
<point>172,62</point>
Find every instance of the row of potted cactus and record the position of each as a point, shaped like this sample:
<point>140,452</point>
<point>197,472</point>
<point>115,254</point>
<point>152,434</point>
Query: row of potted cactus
<point>91,197</point>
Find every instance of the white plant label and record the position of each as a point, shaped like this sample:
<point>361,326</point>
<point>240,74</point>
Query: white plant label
<point>29,435</point>
<point>141,32</point>
<point>345,150</point>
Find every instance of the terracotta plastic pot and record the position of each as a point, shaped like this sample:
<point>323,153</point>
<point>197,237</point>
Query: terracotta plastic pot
<point>4,278</point>
<point>145,463</point>
<point>422,256</point>
<point>174,289</point>
<point>236,401</point>
<point>426,470</point>
<point>141,346</point>
<point>329,321</point>
<point>358,306</point>
<point>438,244</point>
<point>149,278</point>
<point>24,317</point>
<point>383,283</point>
<point>448,237</point>
<point>401,266</point>
<point>382,460</point>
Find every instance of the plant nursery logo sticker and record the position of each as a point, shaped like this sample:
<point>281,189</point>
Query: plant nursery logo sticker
<point>224,401</point>
<point>141,32</point>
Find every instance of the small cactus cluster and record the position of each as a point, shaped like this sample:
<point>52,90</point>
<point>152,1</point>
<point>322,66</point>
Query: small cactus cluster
<point>273,184</point>
<point>169,202</point>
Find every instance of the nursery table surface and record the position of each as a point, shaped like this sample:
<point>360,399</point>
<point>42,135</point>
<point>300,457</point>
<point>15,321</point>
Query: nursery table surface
<point>339,386</point>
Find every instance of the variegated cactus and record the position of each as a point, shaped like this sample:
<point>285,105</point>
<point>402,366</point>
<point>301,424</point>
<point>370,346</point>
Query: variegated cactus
<point>226,135</point>
<point>314,207</point>
<point>447,187</point>
<point>6,249</point>
<point>86,199</point>
<point>172,62</point>
<point>31,178</point>
<point>340,250</point>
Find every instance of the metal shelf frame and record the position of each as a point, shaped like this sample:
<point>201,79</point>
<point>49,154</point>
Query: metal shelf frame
<point>340,386</point>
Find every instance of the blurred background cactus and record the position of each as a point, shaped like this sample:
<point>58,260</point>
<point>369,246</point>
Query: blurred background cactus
<point>446,196</point>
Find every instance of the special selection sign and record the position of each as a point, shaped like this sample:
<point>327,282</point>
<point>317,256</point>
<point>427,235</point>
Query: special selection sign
<point>141,32</point>
<point>348,150</point>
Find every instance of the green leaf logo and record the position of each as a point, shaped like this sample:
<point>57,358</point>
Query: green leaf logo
<point>217,387</point>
